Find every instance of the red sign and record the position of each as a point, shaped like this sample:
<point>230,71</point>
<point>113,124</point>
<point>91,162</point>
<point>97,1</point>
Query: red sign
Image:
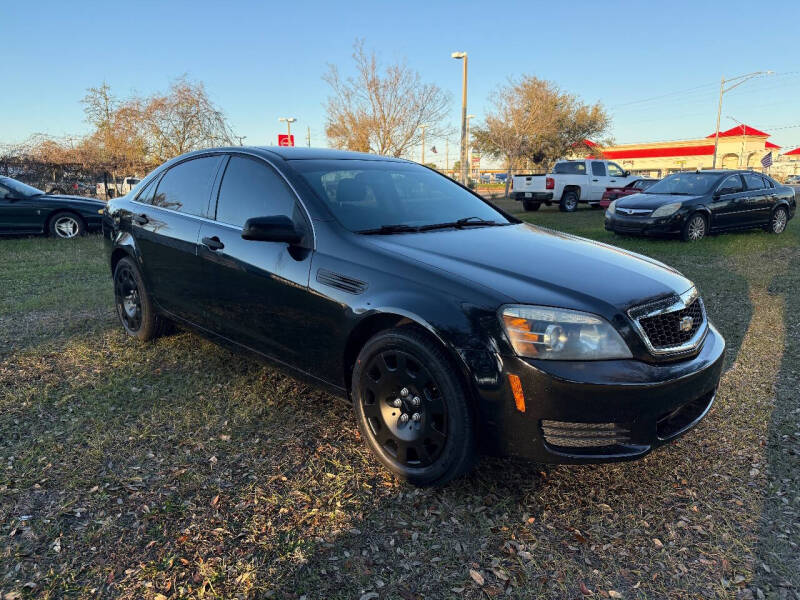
<point>285,140</point>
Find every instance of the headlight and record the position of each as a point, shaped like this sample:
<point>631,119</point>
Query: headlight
<point>611,207</point>
<point>561,334</point>
<point>666,210</point>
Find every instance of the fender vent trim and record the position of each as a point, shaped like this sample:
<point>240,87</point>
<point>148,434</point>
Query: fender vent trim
<point>341,282</point>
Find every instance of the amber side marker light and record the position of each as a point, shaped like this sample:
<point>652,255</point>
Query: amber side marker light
<point>516,388</point>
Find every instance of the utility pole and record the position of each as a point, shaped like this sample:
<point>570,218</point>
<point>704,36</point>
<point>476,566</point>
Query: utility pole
<point>464,172</point>
<point>722,89</point>
<point>241,138</point>
<point>447,154</point>
<point>423,127</point>
<point>308,136</point>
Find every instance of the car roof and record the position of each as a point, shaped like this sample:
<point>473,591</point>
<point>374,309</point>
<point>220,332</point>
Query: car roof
<point>299,153</point>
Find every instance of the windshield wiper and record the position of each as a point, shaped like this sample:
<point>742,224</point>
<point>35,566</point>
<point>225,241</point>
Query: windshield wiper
<point>388,229</point>
<point>465,222</point>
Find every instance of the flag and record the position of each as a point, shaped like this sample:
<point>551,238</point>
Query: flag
<point>433,149</point>
<point>767,160</point>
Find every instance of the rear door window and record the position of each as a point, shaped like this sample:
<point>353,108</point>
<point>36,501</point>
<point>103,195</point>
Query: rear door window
<point>598,169</point>
<point>186,187</point>
<point>754,181</point>
<point>251,188</point>
<point>570,168</point>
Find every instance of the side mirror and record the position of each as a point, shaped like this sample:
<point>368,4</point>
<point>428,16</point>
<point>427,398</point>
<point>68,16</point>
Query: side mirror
<point>627,173</point>
<point>272,229</point>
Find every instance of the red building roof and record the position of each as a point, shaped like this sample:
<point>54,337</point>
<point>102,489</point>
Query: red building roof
<point>795,152</point>
<point>771,145</point>
<point>665,151</point>
<point>740,130</point>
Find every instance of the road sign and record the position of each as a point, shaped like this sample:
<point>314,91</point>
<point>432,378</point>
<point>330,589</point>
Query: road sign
<point>285,140</point>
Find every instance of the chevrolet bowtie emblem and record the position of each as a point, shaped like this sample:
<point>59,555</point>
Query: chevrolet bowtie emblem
<point>686,324</point>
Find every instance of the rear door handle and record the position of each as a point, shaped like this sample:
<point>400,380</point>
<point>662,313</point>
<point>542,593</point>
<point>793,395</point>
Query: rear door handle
<point>213,243</point>
<point>595,180</point>
<point>141,219</point>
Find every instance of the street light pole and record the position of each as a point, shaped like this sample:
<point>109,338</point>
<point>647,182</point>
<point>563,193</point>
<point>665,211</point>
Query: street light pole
<point>469,145</point>
<point>722,89</point>
<point>464,172</point>
<point>423,127</point>
<point>289,121</point>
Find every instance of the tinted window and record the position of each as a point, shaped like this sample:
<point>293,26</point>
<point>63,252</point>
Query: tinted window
<point>251,188</point>
<point>146,195</point>
<point>598,169</point>
<point>3,192</point>
<point>366,194</point>
<point>754,181</point>
<point>731,184</point>
<point>187,186</point>
<point>613,169</point>
<point>645,183</point>
<point>685,184</point>
<point>768,183</point>
<point>570,168</point>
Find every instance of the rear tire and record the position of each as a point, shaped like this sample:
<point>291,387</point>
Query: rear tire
<point>569,202</point>
<point>531,205</point>
<point>134,307</point>
<point>778,221</point>
<point>695,228</point>
<point>401,373</point>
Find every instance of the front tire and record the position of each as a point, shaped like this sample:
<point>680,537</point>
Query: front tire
<point>134,306</point>
<point>569,202</point>
<point>531,205</point>
<point>778,221</point>
<point>412,408</point>
<point>66,225</point>
<point>695,228</point>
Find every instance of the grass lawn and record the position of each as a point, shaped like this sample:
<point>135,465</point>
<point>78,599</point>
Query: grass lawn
<point>178,469</point>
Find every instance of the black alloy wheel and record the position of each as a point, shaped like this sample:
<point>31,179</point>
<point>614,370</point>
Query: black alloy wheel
<point>412,409</point>
<point>134,307</point>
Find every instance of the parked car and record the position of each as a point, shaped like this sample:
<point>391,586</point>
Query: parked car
<point>61,188</point>
<point>634,187</point>
<point>570,182</point>
<point>400,289</point>
<point>119,187</point>
<point>793,180</point>
<point>25,209</point>
<point>693,204</point>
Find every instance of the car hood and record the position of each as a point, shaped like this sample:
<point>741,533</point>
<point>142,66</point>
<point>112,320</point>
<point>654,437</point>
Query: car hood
<point>74,199</point>
<point>528,264</point>
<point>651,201</point>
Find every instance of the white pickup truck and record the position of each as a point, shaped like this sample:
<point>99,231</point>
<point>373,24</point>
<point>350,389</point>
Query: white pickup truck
<point>570,182</point>
<point>120,187</point>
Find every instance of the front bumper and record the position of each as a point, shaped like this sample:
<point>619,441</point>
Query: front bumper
<point>638,225</point>
<point>532,196</point>
<point>598,411</point>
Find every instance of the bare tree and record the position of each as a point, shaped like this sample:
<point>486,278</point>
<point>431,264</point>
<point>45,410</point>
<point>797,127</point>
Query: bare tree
<point>380,110</point>
<point>534,120</point>
<point>183,120</point>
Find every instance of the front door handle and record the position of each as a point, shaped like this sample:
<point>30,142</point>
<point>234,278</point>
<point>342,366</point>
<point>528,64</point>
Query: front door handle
<point>595,180</point>
<point>141,219</point>
<point>213,243</point>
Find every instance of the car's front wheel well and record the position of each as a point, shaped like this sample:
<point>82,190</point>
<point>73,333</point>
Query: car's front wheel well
<point>117,255</point>
<point>362,333</point>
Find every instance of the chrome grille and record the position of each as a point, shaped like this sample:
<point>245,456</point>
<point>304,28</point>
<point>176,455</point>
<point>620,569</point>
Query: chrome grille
<point>672,325</point>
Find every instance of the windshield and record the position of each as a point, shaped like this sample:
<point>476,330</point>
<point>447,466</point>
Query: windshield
<point>685,184</point>
<point>369,194</point>
<point>20,188</point>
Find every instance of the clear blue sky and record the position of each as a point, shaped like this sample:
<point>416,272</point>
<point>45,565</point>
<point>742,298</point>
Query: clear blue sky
<point>263,60</point>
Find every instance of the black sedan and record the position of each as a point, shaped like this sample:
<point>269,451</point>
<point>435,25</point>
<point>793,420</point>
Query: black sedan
<point>692,204</point>
<point>25,210</point>
<point>415,298</point>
